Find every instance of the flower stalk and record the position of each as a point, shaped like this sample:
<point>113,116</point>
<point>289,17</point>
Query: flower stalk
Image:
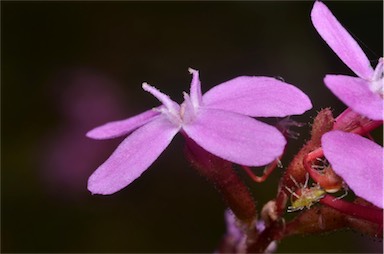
<point>220,173</point>
<point>371,214</point>
<point>322,123</point>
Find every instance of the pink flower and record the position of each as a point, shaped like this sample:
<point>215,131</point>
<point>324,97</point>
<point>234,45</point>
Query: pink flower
<point>220,122</point>
<point>358,161</point>
<point>364,94</point>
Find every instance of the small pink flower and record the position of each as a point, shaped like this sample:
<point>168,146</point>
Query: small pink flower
<point>358,161</point>
<point>220,122</point>
<point>364,94</point>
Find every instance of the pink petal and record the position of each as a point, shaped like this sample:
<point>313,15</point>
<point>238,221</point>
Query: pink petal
<point>236,138</point>
<point>340,41</point>
<point>133,156</point>
<point>358,161</point>
<point>195,90</point>
<point>171,106</point>
<point>123,127</point>
<point>355,93</point>
<point>189,110</point>
<point>257,96</point>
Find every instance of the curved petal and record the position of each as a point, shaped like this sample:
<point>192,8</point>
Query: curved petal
<point>169,104</point>
<point>133,156</point>
<point>358,161</point>
<point>340,41</point>
<point>123,127</point>
<point>355,93</point>
<point>257,96</point>
<point>195,90</point>
<point>236,138</point>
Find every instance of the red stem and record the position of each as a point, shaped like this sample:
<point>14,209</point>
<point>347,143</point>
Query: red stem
<point>353,122</point>
<point>267,171</point>
<point>220,173</point>
<point>307,164</point>
<point>371,214</point>
<point>328,180</point>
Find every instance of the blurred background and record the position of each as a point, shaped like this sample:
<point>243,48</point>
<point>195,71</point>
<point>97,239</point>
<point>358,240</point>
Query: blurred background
<point>70,66</point>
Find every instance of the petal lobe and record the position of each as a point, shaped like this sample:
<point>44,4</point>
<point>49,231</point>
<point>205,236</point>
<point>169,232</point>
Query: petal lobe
<point>236,138</point>
<point>358,161</point>
<point>119,128</point>
<point>340,41</point>
<point>257,97</point>
<point>133,156</point>
<point>356,94</point>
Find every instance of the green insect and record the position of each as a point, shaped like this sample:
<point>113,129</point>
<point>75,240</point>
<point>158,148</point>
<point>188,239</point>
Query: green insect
<point>305,197</point>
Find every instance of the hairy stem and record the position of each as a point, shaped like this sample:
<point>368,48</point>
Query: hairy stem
<point>296,170</point>
<point>371,214</point>
<point>220,173</point>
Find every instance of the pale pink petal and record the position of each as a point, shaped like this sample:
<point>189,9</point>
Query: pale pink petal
<point>189,111</point>
<point>355,93</point>
<point>236,138</point>
<point>170,105</point>
<point>123,127</point>
<point>358,161</point>
<point>195,90</point>
<point>340,41</point>
<point>133,156</point>
<point>257,96</point>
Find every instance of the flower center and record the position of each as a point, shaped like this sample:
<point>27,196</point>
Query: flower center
<point>377,82</point>
<point>187,110</point>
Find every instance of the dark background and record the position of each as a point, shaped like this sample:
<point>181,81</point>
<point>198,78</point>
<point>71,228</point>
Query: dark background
<point>70,66</point>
